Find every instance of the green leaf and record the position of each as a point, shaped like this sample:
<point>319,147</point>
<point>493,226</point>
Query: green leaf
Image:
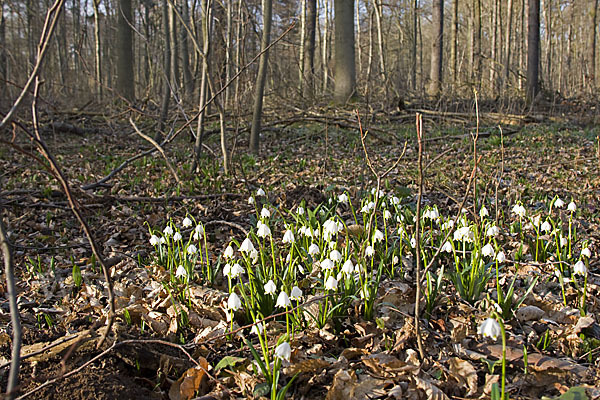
<point>228,361</point>
<point>262,389</point>
<point>575,393</point>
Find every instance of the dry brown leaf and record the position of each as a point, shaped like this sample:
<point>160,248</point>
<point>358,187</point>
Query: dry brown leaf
<point>529,313</point>
<point>306,366</point>
<point>431,390</point>
<point>464,372</point>
<point>190,382</point>
<point>387,365</point>
<point>343,386</point>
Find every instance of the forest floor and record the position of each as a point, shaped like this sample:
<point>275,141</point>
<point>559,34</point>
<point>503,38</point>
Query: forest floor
<point>62,290</point>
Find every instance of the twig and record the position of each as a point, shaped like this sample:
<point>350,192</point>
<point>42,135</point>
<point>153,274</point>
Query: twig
<point>232,224</point>
<point>419,127</point>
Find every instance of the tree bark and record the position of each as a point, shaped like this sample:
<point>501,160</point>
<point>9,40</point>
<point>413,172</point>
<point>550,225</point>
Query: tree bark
<point>345,68</point>
<point>267,6</point>
<point>593,49</point>
<point>509,10</point>
<point>309,48</point>
<point>454,48</point>
<point>125,78</point>
<point>174,47</point>
<point>164,109</point>
<point>188,81</point>
<point>413,52</point>
<point>325,48</point>
<point>206,25</point>
<point>494,45</point>
<point>377,6</point>
<point>435,75</point>
<point>3,63</point>
<point>97,49</point>
<point>533,49</point>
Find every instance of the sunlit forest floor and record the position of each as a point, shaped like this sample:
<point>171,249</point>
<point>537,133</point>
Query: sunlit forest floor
<point>553,342</point>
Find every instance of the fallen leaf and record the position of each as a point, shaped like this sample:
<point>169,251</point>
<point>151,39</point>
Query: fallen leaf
<point>464,372</point>
<point>529,313</point>
<point>343,386</point>
<point>190,382</point>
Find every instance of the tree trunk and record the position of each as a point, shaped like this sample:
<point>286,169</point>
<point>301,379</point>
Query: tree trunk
<point>267,6</point>
<point>302,35</point>
<point>345,69</point>
<point>454,48</point>
<point>309,48</point>
<point>164,109</point>
<point>188,81</point>
<point>97,52</point>
<point>377,6</point>
<point>533,49</point>
<point>125,79</point>
<point>494,45</point>
<point>593,49</point>
<point>228,45</point>
<point>435,75</point>
<point>174,47</point>
<point>206,50</point>
<point>325,48</point>
<point>358,40</point>
<point>507,44</point>
<point>3,64</point>
<point>413,53</point>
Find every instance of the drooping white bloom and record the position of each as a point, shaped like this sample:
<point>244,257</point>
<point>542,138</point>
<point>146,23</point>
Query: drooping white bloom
<point>162,240</point>
<point>377,236</point>
<point>177,236</point>
<point>332,226</point>
<point>348,267</point>
<point>288,237</point>
<point>331,283</point>
<point>251,200</point>
<point>572,207</point>
<point>413,242</point>
<point>464,234</point>
<point>247,246</point>
<point>387,214</point>
<point>483,212</point>
<point>447,247</point>
<point>489,328</point>
<point>488,250</point>
<point>265,213</point>
<point>300,210</point>
<point>260,192</point>
<point>228,253</point>
<point>168,231</point>
<point>327,264</point>
<point>563,241</point>
<point>367,207</point>
<point>288,258</point>
<point>198,231</point>
<point>586,252</point>
<point>283,351</point>
<point>296,293</point>
<point>187,222</point>
<point>283,300</point>
<point>192,249</point>
<point>492,231</point>
<point>335,256</point>
<point>369,251</point>
<point>181,272</point>
<point>234,303</point>
<point>500,257</point>
<point>258,328</point>
<point>448,224</point>
<point>546,227</point>
<point>519,210</point>
<point>395,200</point>
<point>343,198</point>
<point>580,269</point>
<point>263,230</point>
<point>227,270</point>
<point>313,249</point>
<point>559,203</point>
<point>395,260</point>
<point>237,270</point>
<point>270,287</point>
<point>431,214</point>
<point>254,255</point>
<point>154,240</point>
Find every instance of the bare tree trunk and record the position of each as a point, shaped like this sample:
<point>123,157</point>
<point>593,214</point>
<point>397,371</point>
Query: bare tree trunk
<point>188,81</point>
<point>164,109</point>
<point>325,49</point>
<point>358,40</point>
<point>378,7</point>
<point>125,78</point>
<point>309,48</point>
<point>97,52</point>
<point>174,47</point>
<point>477,44</point>
<point>546,8</point>
<point>522,42</point>
<point>507,44</point>
<point>238,47</point>
<point>593,49</point>
<point>494,45</point>
<point>302,35</point>
<point>435,75</point>
<point>3,61</point>
<point>533,49</point>
<point>454,48</point>
<point>77,34</point>
<point>413,53</point>
<point>206,50</point>
<point>228,45</point>
<point>345,67</point>
<point>267,6</point>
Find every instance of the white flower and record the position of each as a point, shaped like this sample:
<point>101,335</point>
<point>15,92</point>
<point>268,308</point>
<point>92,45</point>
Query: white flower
<point>413,242</point>
<point>488,250</point>
<point>251,200</point>
<point>395,260</point>
<point>265,213</point>
<point>300,210</point>
<point>519,210</point>
<point>162,240</point>
<point>387,214</point>
<point>492,231</point>
<point>500,257</point>
<point>563,241</point>
<point>559,203</point>
<point>192,249</point>
<point>283,351</point>
<point>181,272</point>
<point>464,234</point>
<point>227,270</point>
<point>331,283</point>
<point>395,200</point>
<point>335,256</point>
<point>432,214</point>
<point>348,267</point>
<point>377,236</point>
<point>343,198</point>
<point>572,207</point>
<point>263,230</point>
<point>288,258</point>
<point>448,225</point>
<point>258,328</point>
<point>254,255</point>
<point>380,194</point>
<point>237,270</point>
<point>199,229</point>
<point>186,222</point>
<point>270,287</point>
<point>546,227</point>
<point>313,249</point>
<point>228,254</point>
<point>177,236</point>
<point>283,300</point>
<point>247,246</point>
<point>288,237</point>
<point>327,264</point>
<point>586,252</point>
<point>447,247</point>
<point>168,231</point>
<point>489,328</point>
<point>579,268</point>
<point>483,212</point>
<point>154,240</point>
<point>260,192</point>
<point>369,251</point>
<point>296,293</point>
<point>332,226</point>
<point>367,207</point>
<point>234,303</point>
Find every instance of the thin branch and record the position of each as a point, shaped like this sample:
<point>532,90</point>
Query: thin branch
<point>419,126</point>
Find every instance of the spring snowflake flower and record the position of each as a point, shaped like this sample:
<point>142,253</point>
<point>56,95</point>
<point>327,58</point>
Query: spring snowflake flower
<point>563,241</point>
<point>413,242</point>
<point>447,247</point>
<point>448,225</point>
<point>559,203</point>
<point>335,256</point>
<point>234,303</point>
<point>488,250</point>
<point>387,214</point>
<point>162,240</point>
<point>227,270</point>
<point>431,214</point>
<point>258,328</point>
<point>580,269</point>
<point>296,293</point>
<point>395,200</point>
<point>377,236</point>
<point>327,264</point>
<point>177,236</point>
<point>187,222</point>
<point>380,194</point>
<point>154,240</point>
<point>247,246</point>
<point>283,300</point>
<point>572,207</point>
<point>263,230</point>
<point>288,237</point>
<point>168,231</point>
<point>464,234</point>
<point>492,231</point>
<point>270,287</point>
<point>300,210</point>
<point>586,252</point>
<point>192,249</point>
<point>181,272</point>
<point>546,227</point>
<point>228,253</point>
<point>489,328</point>
<point>483,212</point>
<point>283,351</point>
<point>265,213</point>
<point>260,192</point>
<point>348,267</point>
<point>395,260</point>
<point>519,210</point>
<point>251,200</point>
<point>500,257</point>
<point>369,251</point>
<point>198,231</point>
<point>237,270</point>
<point>367,207</point>
<point>332,226</point>
<point>331,283</point>
<point>254,255</point>
<point>343,198</point>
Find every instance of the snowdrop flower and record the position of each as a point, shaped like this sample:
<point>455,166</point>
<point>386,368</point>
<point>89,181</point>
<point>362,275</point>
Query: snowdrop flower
<point>234,303</point>
<point>283,300</point>
<point>168,231</point>
<point>492,231</point>
<point>270,287</point>
<point>186,222</point>
<point>483,212</point>
<point>313,249</point>
<point>387,214</point>
<point>247,246</point>
<point>367,207</point>
<point>192,249</point>
<point>395,260</point>
<point>265,213</point>
<point>283,351</point>
<point>331,283</point>
<point>162,240</point>
<point>181,272</point>
<point>586,252</point>
<point>288,237</point>
<point>258,328</point>
<point>228,254</point>
<point>332,226</point>
<point>254,255</point>
<point>395,200</point>
<point>335,256</point>
<point>448,225</point>
<point>348,267</point>
<point>260,192</point>
<point>296,293</point>
<point>377,236</point>
<point>546,227</point>
<point>580,269</point>
<point>563,241</point>
<point>500,257</point>
<point>380,194</point>
<point>447,247</point>
<point>464,234</point>
<point>177,236</point>
<point>251,200</point>
<point>154,240</point>
<point>488,250</point>
<point>489,328</point>
<point>413,242</point>
<point>237,270</point>
<point>327,264</point>
<point>559,203</point>
<point>519,210</point>
<point>227,270</point>
<point>300,210</point>
<point>198,231</point>
<point>263,230</point>
<point>343,198</point>
<point>369,251</point>
<point>572,207</point>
